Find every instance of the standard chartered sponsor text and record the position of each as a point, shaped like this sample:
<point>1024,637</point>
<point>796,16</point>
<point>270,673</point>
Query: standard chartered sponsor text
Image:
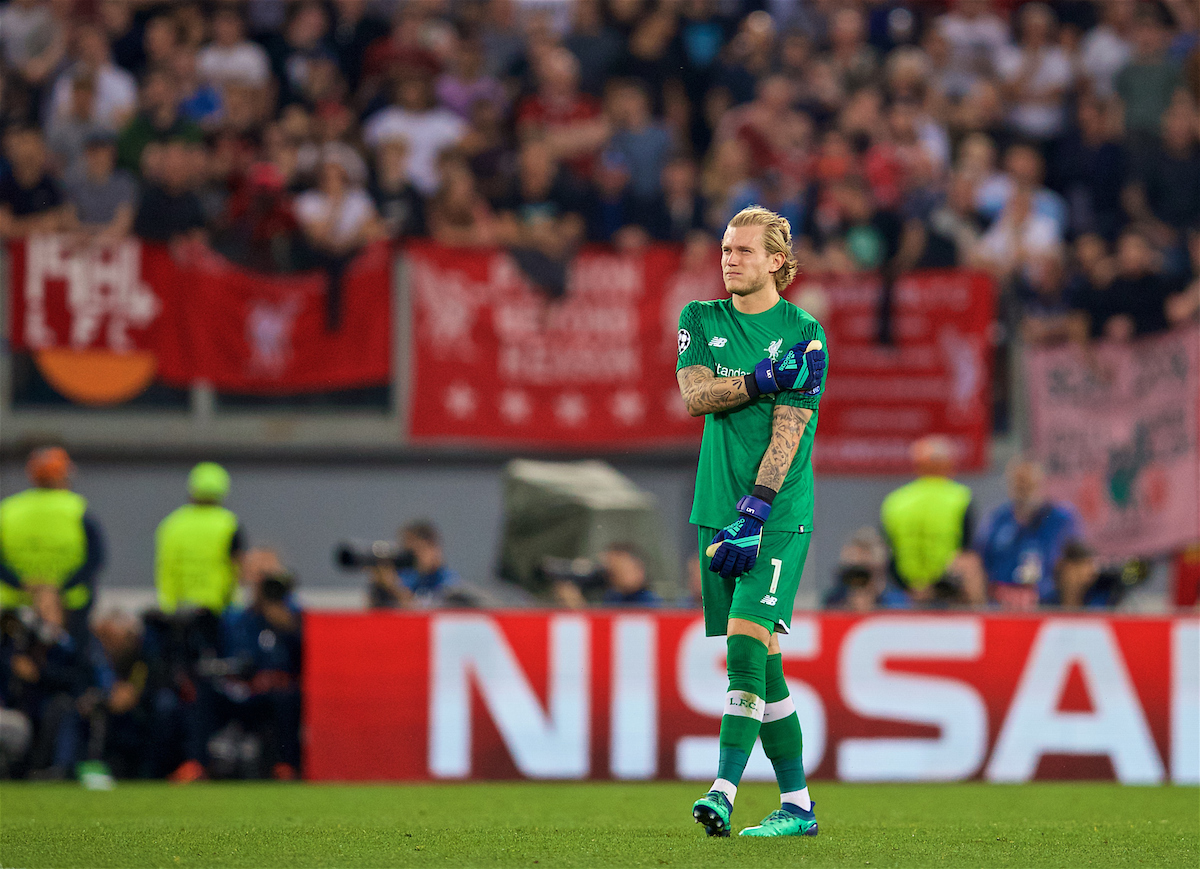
<point>580,361</point>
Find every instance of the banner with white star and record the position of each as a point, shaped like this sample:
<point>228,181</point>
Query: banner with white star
<point>496,363</point>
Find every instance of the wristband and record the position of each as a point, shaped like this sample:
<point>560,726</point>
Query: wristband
<point>764,493</point>
<point>764,377</point>
<point>752,389</point>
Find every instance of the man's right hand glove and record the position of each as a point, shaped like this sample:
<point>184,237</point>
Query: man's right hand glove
<point>800,368</point>
<point>735,548</point>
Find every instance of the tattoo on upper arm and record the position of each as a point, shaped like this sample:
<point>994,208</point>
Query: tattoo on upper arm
<point>787,427</point>
<point>703,392</point>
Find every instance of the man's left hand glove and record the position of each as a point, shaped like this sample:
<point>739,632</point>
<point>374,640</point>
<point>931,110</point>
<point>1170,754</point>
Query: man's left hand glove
<point>800,368</point>
<point>736,545</point>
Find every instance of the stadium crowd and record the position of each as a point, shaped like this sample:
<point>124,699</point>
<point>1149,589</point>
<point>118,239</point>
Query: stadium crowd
<point>1055,144</point>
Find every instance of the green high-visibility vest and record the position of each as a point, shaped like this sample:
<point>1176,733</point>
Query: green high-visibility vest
<point>192,562</point>
<point>924,524</point>
<point>42,540</point>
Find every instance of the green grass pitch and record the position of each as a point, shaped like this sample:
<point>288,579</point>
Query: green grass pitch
<point>551,825</point>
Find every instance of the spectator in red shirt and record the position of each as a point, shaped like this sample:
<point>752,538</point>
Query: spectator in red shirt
<point>761,122</point>
<point>571,122</point>
<point>400,52</point>
<point>261,225</point>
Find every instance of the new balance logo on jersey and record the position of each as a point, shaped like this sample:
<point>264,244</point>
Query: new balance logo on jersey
<point>718,342</point>
<point>769,600</point>
<point>774,348</point>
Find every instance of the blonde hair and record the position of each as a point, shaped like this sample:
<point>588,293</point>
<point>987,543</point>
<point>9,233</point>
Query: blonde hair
<point>777,238</point>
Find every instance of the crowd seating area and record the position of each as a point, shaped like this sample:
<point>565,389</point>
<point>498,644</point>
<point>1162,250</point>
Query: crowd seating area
<point>1054,144</point>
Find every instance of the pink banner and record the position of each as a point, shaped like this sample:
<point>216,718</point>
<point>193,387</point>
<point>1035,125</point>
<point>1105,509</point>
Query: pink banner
<point>1116,427</point>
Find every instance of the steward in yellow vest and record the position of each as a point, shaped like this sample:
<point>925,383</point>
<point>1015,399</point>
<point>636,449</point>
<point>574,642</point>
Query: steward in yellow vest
<point>928,521</point>
<point>48,540</point>
<point>198,547</point>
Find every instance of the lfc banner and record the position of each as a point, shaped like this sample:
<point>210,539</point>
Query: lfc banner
<point>248,332</point>
<point>638,695</point>
<point>102,322</point>
<point>495,364</point>
<point>1117,430</point>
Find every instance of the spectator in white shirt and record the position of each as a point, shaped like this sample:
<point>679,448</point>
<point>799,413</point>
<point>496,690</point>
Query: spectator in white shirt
<point>1018,236</point>
<point>231,56</point>
<point>33,41</point>
<point>338,217</point>
<point>1036,75</point>
<point>1108,46</point>
<point>429,128</point>
<point>115,89</point>
<point>975,34</point>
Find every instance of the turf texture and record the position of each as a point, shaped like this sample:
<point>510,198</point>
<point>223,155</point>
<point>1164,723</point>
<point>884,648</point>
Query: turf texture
<point>600,824</point>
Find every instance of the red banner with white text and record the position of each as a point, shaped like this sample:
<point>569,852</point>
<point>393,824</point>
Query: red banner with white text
<point>638,695</point>
<point>104,321</point>
<point>495,364</point>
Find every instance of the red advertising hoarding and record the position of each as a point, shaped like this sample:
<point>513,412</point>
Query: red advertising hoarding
<point>638,694</point>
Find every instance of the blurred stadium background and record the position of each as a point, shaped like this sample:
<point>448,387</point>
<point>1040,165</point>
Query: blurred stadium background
<point>418,265</point>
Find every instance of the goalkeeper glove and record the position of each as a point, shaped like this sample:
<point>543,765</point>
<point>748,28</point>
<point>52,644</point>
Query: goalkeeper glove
<point>735,548</point>
<point>800,368</point>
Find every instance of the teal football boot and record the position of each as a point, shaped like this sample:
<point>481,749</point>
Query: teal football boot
<point>783,822</point>
<point>713,811</point>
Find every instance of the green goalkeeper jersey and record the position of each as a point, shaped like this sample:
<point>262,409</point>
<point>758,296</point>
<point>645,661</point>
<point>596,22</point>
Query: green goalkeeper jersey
<point>730,344</point>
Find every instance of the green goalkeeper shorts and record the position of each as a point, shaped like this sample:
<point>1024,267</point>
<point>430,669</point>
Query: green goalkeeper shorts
<point>765,594</point>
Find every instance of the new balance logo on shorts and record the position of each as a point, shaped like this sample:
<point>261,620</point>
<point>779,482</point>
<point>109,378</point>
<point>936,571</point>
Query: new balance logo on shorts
<point>769,600</point>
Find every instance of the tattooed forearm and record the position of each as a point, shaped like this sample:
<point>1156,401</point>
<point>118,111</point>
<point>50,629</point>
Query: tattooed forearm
<point>787,427</point>
<point>703,392</point>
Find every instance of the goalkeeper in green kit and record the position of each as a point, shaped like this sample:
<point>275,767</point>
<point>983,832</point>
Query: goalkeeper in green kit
<point>754,366</point>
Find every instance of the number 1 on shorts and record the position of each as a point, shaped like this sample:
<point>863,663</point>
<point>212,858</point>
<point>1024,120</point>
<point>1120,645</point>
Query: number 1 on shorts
<point>778,565</point>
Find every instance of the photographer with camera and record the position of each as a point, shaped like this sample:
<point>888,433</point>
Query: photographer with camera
<point>410,574</point>
<point>249,676</point>
<point>617,578</point>
<point>862,580</point>
<point>44,675</point>
<point>50,545</point>
<point>262,644</point>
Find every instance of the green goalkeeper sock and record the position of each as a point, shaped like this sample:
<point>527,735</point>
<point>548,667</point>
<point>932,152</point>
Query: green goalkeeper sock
<point>744,705</point>
<point>781,737</point>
